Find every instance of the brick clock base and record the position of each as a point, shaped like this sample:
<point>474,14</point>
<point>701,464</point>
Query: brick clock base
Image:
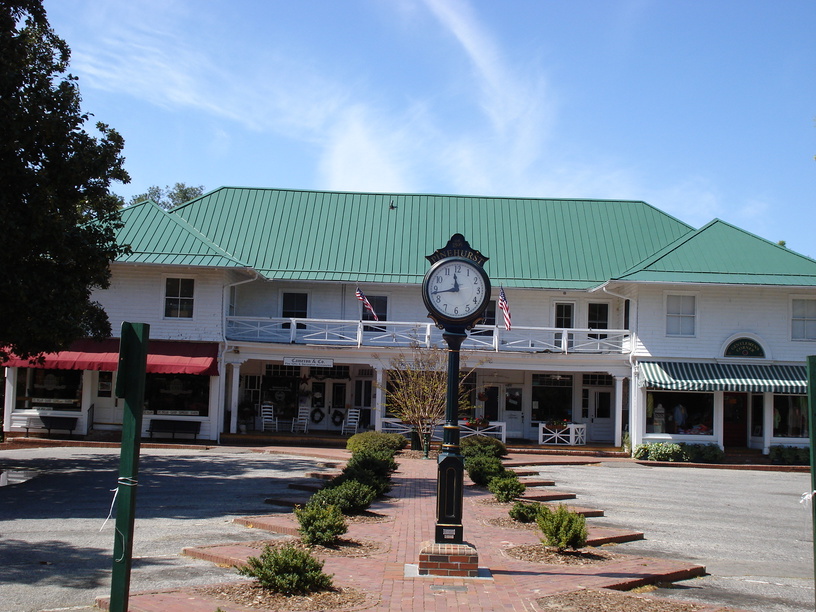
<point>454,560</point>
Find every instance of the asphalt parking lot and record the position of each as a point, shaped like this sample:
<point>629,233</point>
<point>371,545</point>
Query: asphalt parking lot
<point>55,553</point>
<point>747,527</point>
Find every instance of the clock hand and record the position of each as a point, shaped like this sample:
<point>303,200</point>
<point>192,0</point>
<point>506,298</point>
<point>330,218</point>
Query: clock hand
<point>445,290</point>
<point>455,284</point>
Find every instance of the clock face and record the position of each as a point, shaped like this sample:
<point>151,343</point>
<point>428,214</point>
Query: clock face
<point>456,289</point>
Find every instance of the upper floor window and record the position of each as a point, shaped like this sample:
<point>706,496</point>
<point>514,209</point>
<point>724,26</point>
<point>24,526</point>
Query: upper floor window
<point>178,298</point>
<point>380,305</point>
<point>597,318</point>
<point>681,312</point>
<point>803,321</point>
<point>564,315</point>
<point>489,319</point>
<point>295,306</point>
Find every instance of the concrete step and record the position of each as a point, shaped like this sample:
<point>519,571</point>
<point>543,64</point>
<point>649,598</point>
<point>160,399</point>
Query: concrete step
<point>288,502</point>
<point>309,488</point>
<point>545,497</point>
<point>536,482</point>
<point>512,464</point>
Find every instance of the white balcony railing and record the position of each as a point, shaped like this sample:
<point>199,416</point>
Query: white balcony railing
<point>399,334</point>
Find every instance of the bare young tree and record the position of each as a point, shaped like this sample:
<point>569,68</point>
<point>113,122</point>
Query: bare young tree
<point>416,389</point>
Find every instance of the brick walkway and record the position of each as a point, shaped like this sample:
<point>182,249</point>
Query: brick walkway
<point>391,577</point>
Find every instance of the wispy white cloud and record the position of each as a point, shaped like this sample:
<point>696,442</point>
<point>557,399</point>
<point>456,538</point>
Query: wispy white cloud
<point>361,155</point>
<point>269,92</point>
<point>500,141</point>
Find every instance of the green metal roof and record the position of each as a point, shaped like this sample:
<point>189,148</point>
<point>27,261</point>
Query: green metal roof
<point>723,253</point>
<point>156,237</point>
<point>381,237</point>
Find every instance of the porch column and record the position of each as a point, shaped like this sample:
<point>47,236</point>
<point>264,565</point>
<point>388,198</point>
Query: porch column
<point>379,397</point>
<point>767,421</point>
<point>235,383</point>
<point>616,420</point>
<point>637,414</point>
<point>11,397</point>
<point>87,400</point>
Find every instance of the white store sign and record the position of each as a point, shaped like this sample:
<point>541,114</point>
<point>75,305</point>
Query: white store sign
<point>308,361</point>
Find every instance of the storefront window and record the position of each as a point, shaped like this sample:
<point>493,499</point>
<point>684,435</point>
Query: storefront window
<point>680,413</point>
<point>790,416</point>
<point>177,394</point>
<point>49,389</point>
<point>552,397</point>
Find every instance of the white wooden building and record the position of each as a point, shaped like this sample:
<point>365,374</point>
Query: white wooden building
<point>624,319</point>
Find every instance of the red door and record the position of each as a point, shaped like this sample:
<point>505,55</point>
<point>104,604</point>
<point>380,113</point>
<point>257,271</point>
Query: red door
<point>735,420</point>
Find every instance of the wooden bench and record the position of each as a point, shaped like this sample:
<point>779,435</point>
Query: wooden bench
<point>59,422</point>
<point>173,427</point>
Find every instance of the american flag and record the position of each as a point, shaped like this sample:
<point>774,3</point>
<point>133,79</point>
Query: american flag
<point>505,307</point>
<point>366,304</point>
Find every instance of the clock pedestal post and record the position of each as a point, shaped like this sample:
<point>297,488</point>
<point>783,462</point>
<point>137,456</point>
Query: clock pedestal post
<point>450,475</point>
<point>449,554</point>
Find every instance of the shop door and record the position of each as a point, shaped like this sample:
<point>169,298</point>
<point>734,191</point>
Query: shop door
<point>337,408</point>
<point>328,405</point>
<point>513,414</point>
<point>504,404</point>
<point>735,420</point>
<point>596,412</point>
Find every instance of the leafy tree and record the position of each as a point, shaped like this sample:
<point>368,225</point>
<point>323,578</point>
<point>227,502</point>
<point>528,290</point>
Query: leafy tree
<point>169,197</point>
<point>417,386</point>
<point>58,215</point>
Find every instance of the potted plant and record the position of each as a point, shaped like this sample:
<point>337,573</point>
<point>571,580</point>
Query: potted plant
<point>558,424</point>
<point>246,416</point>
<point>477,422</point>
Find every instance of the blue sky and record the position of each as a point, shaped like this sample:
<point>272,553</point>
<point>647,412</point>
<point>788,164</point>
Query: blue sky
<point>702,108</point>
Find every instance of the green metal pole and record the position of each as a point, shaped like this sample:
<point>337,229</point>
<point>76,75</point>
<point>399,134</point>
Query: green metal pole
<point>130,385</point>
<point>450,468</point>
<point>811,367</point>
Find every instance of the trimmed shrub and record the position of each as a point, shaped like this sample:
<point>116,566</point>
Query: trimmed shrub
<point>666,451</point>
<point>381,462</point>
<point>376,441</point>
<point>703,453</point>
<point>350,496</point>
<point>789,455</point>
<point>482,445</point>
<point>319,524</point>
<point>524,512</point>
<point>641,452</point>
<point>562,528</point>
<point>506,488</point>
<point>381,485</point>
<point>483,468</point>
<point>288,570</point>
<point>660,451</point>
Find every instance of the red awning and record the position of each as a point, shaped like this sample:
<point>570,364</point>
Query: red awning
<point>164,357</point>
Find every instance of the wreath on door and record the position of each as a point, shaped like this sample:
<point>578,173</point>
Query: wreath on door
<point>317,415</point>
<point>337,417</point>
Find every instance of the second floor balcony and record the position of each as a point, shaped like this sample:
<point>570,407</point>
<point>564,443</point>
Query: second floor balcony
<point>334,332</point>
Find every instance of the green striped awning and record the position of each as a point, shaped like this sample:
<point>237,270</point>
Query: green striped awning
<point>755,378</point>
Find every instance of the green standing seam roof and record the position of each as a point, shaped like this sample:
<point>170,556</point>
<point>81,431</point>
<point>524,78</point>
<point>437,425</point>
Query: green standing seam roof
<point>722,253</point>
<point>538,243</point>
<point>156,237</point>
<point>740,377</point>
<point>381,237</point>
